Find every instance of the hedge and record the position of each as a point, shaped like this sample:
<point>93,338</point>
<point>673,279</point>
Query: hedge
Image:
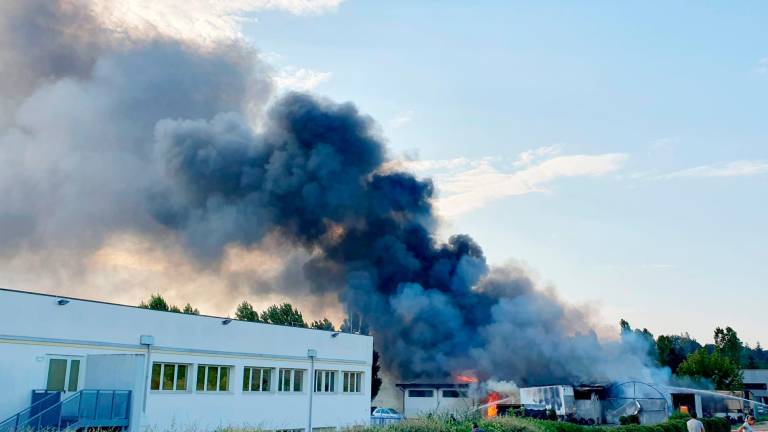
<point>521,424</point>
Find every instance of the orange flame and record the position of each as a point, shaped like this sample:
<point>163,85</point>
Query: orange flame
<point>466,379</point>
<point>492,410</point>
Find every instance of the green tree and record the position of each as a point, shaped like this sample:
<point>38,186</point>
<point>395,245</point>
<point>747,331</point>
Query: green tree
<point>672,350</point>
<point>324,324</point>
<point>752,362</point>
<point>245,312</point>
<point>727,343</point>
<point>156,302</point>
<point>189,310</point>
<point>375,377</point>
<point>624,326</point>
<point>717,367</point>
<point>686,344</point>
<point>283,314</point>
<point>644,335</point>
<point>761,356</point>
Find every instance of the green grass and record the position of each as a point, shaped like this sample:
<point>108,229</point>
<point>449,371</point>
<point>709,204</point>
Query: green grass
<point>520,424</point>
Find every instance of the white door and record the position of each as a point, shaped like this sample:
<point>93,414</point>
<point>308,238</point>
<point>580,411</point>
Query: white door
<point>64,374</point>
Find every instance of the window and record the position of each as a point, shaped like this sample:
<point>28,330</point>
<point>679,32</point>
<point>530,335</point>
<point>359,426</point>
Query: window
<point>169,377</point>
<point>257,379</point>
<point>325,381</point>
<point>290,380</point>
<point>212,378</point>
<point>352,382</point>
<point>63,374</point>
<point>454,394</point>
<point>420,393</point>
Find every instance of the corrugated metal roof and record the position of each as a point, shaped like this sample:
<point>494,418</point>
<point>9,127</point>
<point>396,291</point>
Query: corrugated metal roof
<point>431,385</point>
<point>755,375</point>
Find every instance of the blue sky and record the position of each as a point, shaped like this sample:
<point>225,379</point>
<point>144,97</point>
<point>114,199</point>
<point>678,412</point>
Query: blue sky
<point>620,150</point>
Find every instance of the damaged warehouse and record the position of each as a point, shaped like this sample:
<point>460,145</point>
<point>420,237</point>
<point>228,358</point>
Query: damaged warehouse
<point>586,404</point>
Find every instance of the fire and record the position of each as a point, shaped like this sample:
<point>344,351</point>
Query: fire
<point>466,379</point>
<point>492,410</point>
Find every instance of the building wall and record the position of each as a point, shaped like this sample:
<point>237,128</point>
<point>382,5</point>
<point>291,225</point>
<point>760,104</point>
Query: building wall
<point>34,327</point>
<point>421,406</point>
<point>558,398</point>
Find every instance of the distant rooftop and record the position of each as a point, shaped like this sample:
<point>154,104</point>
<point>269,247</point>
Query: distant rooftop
<point>755,375</point>
<point>434,385</point>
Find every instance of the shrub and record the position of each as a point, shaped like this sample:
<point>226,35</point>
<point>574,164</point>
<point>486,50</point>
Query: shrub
<point>716,424</point>
<point>442,423</point>
<point>629,420</point>
<point>679,415</point>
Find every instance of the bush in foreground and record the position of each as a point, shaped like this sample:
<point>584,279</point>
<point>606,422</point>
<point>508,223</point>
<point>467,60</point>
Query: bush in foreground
<point>519,424</point>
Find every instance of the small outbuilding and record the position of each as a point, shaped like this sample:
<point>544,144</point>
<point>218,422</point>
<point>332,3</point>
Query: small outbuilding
<point>420,399</point>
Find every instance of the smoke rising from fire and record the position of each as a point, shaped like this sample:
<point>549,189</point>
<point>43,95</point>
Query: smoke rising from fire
<point>106,135</point>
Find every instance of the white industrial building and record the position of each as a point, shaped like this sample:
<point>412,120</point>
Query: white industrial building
<point>756,384</point>
<point>421,399</point>
<point>88,363</point>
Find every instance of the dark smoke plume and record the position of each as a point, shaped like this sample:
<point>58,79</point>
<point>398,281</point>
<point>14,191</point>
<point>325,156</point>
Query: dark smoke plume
<point>159,137</point>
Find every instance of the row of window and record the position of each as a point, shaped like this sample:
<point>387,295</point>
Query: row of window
<point>216,378</point>
<point>431,393</point>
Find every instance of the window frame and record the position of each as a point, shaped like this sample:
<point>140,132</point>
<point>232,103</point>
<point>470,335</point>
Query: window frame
<point>423,391</point>
<point>347,383</point>
<point>79,377</point>
<point>459,394</point>
<point>175,381</point>
<point>324,385</point>
<point>219,368</point>
<point>248,372</point>
<point>292,380</point>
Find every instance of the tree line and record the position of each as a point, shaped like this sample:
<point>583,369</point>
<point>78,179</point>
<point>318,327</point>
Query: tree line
<point>721,362</point>
<point>279,314</point>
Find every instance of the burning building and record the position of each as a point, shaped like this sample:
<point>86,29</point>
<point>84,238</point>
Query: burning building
<point>419,399</point>
<point>198,155</point>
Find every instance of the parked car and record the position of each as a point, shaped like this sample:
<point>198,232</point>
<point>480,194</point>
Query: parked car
<point>385,416</point>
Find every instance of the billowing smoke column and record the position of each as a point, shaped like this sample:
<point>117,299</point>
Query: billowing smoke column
<point>158,136</point>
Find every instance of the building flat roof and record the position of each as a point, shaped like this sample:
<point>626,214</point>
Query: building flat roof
<point>27,317</point>
<point>431,385</point>
<point>755,375</point>
<point>177,313</point>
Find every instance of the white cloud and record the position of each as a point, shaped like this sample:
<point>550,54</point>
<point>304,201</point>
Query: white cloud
<point>402,119</point>
<point>299,79</point>
<point>729,169</point>
<point>467,184</point>
<point>762,66</point>
<point>202,21</point>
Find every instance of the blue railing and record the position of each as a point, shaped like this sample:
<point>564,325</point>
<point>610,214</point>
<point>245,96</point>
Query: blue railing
<point>42,400</point>
<point>84,409</point>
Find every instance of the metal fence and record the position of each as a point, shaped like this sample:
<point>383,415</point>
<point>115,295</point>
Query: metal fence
<point>84,409</point>
<point>377,421</point>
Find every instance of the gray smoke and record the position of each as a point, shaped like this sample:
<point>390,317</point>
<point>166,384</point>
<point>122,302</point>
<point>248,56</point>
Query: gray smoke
<point>107,135</point>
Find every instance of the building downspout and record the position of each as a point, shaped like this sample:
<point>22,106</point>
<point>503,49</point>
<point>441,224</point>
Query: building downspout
<point>147,341</point>
<point>311,354</point>
<point>146,380</point>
